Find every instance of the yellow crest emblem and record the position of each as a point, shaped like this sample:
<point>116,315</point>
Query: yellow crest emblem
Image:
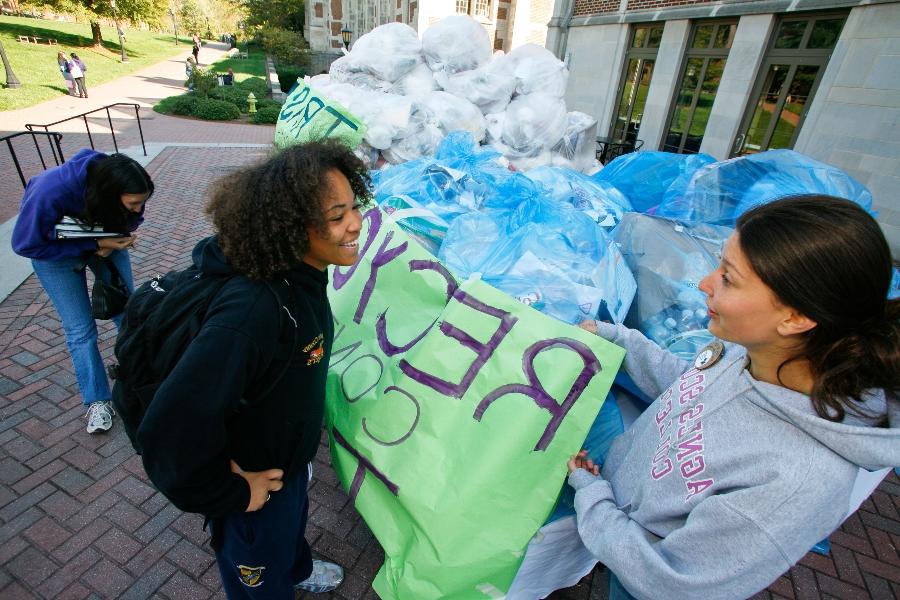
<point>251,576</point>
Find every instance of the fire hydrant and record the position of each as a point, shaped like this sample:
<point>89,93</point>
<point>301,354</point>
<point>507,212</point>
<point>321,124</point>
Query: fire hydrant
<point>251,103</point>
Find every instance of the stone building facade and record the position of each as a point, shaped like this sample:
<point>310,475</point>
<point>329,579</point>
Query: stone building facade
<point>509,23</point>
<point>733,77</point>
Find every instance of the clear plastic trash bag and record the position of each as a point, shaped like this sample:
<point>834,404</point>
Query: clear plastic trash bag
<point>388,52</point>
<point>577,148</point>
<point>534,123</point>
<point>668,260</point>
<point>457,43</point>
<point>597,199</point>
<point>646,177</point>
<point>721,192</point>
<point>537,70</point>
<point>490,87</point>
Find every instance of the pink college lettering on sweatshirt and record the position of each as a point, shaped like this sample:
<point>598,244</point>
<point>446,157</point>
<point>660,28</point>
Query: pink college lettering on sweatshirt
<point>687,447</point>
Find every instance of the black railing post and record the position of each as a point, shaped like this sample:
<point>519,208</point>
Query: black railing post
<point>88,129</point>
<point>111,130</point>
<point>140,129</point>
<point>16,162</point>
<point>15,158</point>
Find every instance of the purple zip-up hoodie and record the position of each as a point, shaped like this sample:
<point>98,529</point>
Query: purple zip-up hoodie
<point>50,196</point>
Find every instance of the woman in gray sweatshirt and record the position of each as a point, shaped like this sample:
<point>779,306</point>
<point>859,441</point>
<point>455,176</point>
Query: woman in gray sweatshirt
<point>748,456</point>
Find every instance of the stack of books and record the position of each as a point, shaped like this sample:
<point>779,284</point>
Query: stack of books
<point>70,228</point>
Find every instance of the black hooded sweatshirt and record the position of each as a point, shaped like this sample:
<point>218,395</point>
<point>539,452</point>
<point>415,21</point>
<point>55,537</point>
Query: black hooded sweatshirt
<point>208,411</point>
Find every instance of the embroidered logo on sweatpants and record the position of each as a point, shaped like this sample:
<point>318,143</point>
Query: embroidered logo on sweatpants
<point>251,576</point>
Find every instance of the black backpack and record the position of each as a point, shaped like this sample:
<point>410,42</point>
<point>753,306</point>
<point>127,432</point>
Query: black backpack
<point>161,319</point>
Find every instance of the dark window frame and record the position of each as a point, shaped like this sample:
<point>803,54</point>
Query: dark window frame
<point>792,58</point>
<point>706,54</point>
<point>642,54</point>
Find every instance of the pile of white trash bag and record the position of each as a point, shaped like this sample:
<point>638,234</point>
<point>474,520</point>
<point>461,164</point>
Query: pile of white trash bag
<point>411,93</point>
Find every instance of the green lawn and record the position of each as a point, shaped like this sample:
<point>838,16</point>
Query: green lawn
<point>35,64</point>
<point>244,68</point>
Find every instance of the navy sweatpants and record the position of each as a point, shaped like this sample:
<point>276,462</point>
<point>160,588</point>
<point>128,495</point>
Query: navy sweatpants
<point>263,554</point>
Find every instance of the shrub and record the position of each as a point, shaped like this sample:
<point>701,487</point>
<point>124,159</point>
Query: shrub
<point>267,114</point>
<point>283,44</point>
<point>268,103</point>
<point>257,85</point>
<point>182,105</point>
<point>216,110</point>
<point>233,94</point>
<point>204,81</point>
<point>287,77</point>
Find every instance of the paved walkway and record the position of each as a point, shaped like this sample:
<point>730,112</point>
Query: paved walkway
<point>78,518</point>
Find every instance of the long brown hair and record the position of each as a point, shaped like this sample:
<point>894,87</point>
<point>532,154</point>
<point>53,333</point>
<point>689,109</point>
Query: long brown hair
<point>827,258</point>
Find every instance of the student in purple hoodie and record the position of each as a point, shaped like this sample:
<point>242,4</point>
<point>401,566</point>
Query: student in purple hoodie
<point>109,191</point>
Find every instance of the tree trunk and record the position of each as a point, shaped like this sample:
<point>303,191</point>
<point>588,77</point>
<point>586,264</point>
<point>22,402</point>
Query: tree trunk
<point>95,32</point>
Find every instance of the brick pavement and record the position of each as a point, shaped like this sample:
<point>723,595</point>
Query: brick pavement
<point>78,518</point>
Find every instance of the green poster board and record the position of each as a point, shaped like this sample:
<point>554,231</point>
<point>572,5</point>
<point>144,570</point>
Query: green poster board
<point>452,409</point>
<point>307,115</point>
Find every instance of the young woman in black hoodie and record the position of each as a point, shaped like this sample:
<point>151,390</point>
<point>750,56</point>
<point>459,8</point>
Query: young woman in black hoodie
<point>231,432</point>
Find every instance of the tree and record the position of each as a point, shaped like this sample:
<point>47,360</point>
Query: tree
<point>151,12</point>
<point>280,14</point>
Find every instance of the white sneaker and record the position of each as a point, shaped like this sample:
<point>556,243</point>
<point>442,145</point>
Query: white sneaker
<point>325,577</point>
<point>99,416</point>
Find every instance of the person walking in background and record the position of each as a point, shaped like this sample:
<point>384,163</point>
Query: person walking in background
<point>196,50</point>
<point>77,75</point>
<point>63,62</point>
<point>99,190</point>
<point>77,60</point>
<point>190,64</point>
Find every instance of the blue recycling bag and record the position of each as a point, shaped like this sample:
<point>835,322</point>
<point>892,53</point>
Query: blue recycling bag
<point>721,192</point>
<point>645,178</point>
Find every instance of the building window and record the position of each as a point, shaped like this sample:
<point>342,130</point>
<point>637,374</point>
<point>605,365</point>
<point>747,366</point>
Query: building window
<point>795,61</point>
<point>475,8</point>
<point>639,62</point>
<point>704,63</point>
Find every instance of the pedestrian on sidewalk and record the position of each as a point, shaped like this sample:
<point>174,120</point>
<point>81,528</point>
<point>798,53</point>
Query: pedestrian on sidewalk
<point>63,62</point>
<point>190,65</point>
<point>196,50</point>
<point>749,454</point>
<point>77,74</point>
<point>109,191</point>
<point>232,430</point>
<point>82,83</point>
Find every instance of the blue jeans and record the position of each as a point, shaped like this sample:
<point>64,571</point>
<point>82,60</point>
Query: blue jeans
<point>68,291</point>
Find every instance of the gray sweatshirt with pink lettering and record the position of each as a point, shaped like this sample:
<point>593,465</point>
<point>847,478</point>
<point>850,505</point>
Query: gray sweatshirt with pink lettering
<point>724,482</point>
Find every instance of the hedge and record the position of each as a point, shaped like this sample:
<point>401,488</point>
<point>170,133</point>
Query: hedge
<point>267,114</point>
<point>216,110</point>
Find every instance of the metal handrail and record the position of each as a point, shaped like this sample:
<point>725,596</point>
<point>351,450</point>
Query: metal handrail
<point>137,108</point>
<point>53,136</point>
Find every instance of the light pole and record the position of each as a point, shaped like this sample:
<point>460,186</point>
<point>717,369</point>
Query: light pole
<point>174,25</point>
<point>11,81</point>
<point>346,34</point>
<point>112,3</point>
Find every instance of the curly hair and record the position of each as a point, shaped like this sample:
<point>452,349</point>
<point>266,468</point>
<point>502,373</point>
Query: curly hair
<point>262,213</point>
